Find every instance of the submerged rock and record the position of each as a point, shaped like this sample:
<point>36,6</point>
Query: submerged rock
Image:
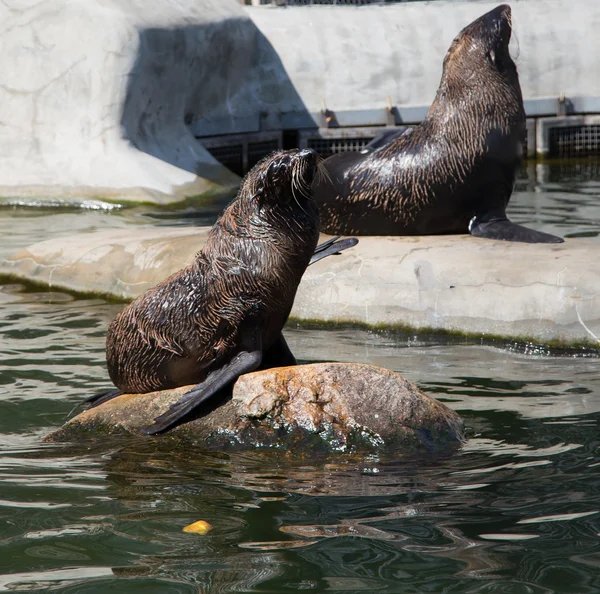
<point>323,407</point>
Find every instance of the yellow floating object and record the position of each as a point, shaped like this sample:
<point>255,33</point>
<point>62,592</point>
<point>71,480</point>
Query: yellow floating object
<point>200,527</point>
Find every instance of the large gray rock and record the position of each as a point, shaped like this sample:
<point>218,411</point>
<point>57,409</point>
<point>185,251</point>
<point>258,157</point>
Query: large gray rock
<point>532,292</point>
<point>121,263</point>
<point>325,407</point>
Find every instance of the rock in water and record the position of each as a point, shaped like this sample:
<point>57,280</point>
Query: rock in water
<point>321,407</point>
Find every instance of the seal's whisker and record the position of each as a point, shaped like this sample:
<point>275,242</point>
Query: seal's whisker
<point>297,187</point>
<point>322,173</point>
<point>518,45</point>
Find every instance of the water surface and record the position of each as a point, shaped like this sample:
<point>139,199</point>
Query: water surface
<point>516,510</point>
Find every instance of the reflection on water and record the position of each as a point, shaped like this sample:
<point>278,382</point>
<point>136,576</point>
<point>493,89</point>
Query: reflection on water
<point>516,510</point>
<point>561,198</point>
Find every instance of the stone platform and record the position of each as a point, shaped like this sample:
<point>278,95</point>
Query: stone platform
<point>545,293</point>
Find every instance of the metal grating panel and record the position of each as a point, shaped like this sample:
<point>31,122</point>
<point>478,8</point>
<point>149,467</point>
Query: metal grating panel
<point>329,146</point>
<point>258,150</point>
<point>240,152</point>
<point>231,156</point>
<point>574,141</point>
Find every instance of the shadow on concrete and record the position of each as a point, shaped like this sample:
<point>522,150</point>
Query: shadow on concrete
<point>221,76</point>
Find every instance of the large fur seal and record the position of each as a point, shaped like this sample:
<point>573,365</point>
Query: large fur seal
<point>222,316</point>
<point>454,173</point>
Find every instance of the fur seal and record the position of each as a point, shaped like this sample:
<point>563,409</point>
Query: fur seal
<point>453,173</point>
<point>222,316</point>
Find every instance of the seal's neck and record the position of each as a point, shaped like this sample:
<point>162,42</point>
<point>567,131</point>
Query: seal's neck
<point>267,238</point>
<point>478,112</point>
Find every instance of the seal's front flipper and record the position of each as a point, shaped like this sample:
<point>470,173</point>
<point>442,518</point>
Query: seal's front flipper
<point>499,227</point>
<point>386,137</point>
<point>332,247</point>
<point>278,355</point>
<point>242,363</point>
<point>98,399</point>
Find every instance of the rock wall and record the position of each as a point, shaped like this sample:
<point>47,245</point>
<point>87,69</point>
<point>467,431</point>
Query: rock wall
<point>95,95</point>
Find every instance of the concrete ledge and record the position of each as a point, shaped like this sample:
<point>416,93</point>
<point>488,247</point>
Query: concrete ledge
<point>542,293</point>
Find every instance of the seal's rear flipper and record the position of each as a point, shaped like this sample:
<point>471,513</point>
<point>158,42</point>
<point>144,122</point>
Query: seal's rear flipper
<point>243,362</point>
<point>332,247</point>
<point>499,227</point>
<point>98,399</point>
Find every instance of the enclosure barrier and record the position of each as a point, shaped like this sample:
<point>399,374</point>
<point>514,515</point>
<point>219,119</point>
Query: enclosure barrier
<point>119,113</point>
<point>554,130</point>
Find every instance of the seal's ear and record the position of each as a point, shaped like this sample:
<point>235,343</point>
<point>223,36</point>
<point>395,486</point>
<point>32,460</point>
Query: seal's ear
<point>258,194</point>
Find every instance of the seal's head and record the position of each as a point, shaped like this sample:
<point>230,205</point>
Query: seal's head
<point>480,51</point>
<point>275,205</point>
<point>282,178</point>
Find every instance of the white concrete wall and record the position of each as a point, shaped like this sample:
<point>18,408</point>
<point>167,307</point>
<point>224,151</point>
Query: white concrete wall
<point>94,94</point>
<point>356,57</point>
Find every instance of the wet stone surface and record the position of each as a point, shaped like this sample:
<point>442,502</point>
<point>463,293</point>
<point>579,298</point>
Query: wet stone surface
<point>460,284</point>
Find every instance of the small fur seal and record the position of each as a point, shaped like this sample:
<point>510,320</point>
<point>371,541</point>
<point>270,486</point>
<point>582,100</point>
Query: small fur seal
<point>222,316</point>
<point>453,173</point>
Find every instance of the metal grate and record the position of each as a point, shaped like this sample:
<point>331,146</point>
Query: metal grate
<point>574,141</point>
<point>329,146</point>
<point>241,152</point>
<point>258,150</point>
<point>231,156</point>
<point>334,2</point>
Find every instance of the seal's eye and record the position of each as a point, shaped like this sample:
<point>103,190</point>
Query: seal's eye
<point>496,61</point>
<point>273,168</point>
<point>275,171</point>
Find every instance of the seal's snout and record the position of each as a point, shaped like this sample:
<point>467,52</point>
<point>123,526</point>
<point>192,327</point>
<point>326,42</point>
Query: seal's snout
<point>309,155</point>
<point>308,158</point>
<point>498,18</point>
<point>496,26</point>
<point>503,16</point>
<point>499,14</point>
<point>503,11</point>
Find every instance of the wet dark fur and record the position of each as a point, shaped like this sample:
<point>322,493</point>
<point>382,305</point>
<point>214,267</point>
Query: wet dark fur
<point>459,163</point>
<point>245,277</point>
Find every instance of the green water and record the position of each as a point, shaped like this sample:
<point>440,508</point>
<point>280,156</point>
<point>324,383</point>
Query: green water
<point>516,510</point>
